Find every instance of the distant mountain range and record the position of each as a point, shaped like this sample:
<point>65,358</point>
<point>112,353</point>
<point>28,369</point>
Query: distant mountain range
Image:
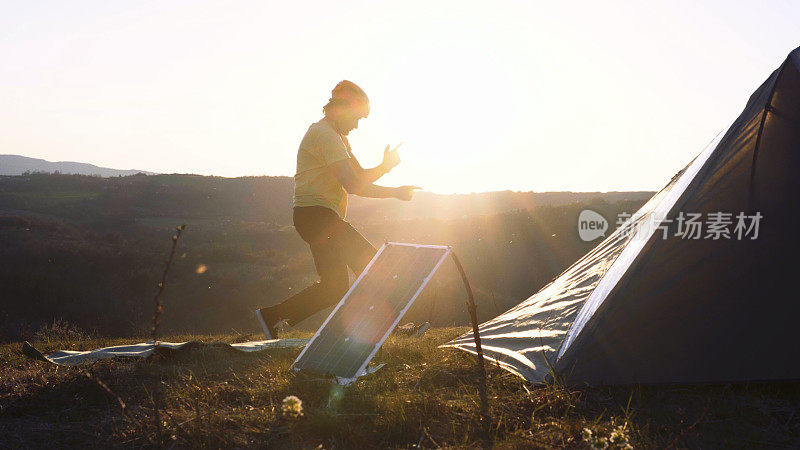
<point>17,165</point>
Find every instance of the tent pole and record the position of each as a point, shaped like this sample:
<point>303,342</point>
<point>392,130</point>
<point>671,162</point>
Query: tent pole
<point>473,315</point>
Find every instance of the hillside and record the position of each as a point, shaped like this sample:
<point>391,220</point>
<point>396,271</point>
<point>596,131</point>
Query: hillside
<point>263,199</point>
<point>90,250</point>
<point>80,259</point>
<point>18,165</point>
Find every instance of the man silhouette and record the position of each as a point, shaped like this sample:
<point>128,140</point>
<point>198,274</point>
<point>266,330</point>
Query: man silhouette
<point>327,171</point>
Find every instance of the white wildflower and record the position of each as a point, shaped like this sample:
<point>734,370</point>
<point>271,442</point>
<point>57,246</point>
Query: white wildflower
<point>599,443</point>
<point>292,407</point>
<point>619,437</point>
<point>586,434</point>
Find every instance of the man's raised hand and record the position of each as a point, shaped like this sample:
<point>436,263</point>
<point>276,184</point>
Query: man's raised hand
<point>405,193</point>
<point>390,157</point>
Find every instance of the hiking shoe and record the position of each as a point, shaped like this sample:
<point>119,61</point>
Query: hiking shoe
<point>267,323</point>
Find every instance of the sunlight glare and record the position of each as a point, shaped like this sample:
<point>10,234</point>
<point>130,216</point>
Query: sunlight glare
<point>450,107</point>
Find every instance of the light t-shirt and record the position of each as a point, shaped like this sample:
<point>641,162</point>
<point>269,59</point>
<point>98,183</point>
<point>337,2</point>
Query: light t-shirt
<point>314,184</point>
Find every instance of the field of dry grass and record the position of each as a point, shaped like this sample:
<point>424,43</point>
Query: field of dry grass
<point>423,397</point>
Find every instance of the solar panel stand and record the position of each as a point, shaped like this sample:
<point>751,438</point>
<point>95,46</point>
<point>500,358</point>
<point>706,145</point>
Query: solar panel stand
<point>303,362</point>
<point>364,370</point>
<point>348,376</point>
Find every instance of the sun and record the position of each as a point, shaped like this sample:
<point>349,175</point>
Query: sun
<point>451,109</point>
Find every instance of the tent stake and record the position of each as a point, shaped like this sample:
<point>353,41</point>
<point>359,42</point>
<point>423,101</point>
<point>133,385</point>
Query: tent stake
<point>473,315</point>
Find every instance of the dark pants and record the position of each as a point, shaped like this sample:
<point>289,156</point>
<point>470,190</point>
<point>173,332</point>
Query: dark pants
<point>335,246</point>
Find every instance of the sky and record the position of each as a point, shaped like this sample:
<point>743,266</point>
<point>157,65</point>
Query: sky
<point>502,95</point>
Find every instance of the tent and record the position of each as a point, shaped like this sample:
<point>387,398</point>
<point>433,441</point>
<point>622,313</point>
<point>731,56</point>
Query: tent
<point>656,302</point>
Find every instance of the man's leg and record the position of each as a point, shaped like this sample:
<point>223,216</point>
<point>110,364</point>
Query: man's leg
<point>357,250</point>
<point>330,288</point>
<point>344,247</point>
<point>321,228</point>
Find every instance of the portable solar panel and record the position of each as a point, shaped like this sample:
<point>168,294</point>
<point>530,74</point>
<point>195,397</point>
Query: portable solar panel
<point>370,310</point>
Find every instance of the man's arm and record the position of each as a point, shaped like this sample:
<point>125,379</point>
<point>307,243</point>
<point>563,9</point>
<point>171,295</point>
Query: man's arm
<point>390,160</point>
<point>373,174</point>
<point>355,184</point>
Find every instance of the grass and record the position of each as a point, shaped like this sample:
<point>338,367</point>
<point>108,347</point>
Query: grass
<point>424,396</point>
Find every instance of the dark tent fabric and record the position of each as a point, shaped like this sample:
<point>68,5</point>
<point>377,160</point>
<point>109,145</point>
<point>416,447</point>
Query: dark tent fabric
<point>649,306</point>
